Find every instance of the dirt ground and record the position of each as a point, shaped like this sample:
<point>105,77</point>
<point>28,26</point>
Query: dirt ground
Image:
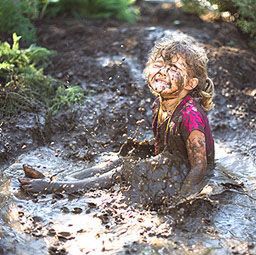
<point>106,59</point>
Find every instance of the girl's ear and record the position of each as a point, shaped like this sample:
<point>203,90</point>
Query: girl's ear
<point>191,84</point>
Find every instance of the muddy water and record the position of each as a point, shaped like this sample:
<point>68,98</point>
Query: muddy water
<point>102,222</point>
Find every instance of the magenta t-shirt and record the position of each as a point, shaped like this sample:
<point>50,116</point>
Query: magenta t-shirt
<point>187,117</point>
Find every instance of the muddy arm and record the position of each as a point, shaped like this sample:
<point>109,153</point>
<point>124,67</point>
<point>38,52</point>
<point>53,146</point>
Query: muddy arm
<point>196,149</point>
<point>104,181</point>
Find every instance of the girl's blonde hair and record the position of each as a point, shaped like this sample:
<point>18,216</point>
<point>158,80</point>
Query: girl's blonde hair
<point>196,59</point>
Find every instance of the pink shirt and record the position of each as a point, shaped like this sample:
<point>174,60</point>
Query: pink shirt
<point>187,117</point>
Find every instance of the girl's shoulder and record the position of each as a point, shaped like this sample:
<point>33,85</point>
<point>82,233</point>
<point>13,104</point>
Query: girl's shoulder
<point>191,107</point>
<point>192,116</point>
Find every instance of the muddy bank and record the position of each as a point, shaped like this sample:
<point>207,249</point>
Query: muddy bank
<point>107,59</point>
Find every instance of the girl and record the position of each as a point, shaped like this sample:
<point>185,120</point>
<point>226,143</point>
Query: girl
<point>177,75</point>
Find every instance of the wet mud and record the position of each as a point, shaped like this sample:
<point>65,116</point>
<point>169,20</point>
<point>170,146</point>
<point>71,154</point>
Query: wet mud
<point>107,59</point>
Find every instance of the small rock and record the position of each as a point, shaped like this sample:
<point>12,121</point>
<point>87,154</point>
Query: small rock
<point>51,232</point>
<point>77,210</point>
<point>37,219</point>
<point>65,209</point>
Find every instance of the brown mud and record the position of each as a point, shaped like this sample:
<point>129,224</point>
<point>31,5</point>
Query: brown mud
<point>106,59</point>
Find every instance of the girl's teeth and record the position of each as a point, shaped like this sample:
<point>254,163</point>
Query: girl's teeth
<point>160,86</point>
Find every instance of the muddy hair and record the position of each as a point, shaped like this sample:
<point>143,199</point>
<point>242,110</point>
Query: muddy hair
<point>196,59</point>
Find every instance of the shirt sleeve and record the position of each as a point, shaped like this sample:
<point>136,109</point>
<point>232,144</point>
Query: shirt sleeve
<point>192,119</point>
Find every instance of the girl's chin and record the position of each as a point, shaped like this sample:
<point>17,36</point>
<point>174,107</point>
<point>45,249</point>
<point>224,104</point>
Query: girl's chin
<point>167,95</point>
<point>162,90</point>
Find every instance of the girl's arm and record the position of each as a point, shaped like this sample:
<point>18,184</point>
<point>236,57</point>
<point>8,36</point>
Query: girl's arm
<point>196,149</point>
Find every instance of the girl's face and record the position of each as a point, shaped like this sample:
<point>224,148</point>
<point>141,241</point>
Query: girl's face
<point>167,79</point>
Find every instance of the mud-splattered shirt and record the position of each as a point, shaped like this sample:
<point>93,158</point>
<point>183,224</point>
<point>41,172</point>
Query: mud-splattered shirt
<point>174,131</point>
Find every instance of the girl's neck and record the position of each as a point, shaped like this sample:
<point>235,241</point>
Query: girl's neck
<point>169,105</point>
<point>167,108</point>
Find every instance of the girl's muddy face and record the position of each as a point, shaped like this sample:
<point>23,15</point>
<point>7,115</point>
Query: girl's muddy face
<point>167,79</point>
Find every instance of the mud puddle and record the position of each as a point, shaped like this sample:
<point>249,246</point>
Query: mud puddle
<point>101,222</point>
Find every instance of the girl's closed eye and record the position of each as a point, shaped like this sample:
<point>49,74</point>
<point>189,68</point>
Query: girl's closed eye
<point>174,68</point>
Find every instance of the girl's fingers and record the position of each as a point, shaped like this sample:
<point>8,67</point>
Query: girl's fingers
<point>26,187</point>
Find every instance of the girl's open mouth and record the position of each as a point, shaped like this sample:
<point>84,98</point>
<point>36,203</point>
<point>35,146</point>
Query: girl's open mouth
<point>160,85</point>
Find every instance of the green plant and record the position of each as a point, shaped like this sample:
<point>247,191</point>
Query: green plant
<point>225,5</point>
<point>23,85</point>
<point>243,10</point>
<point>120,9</point>
<point>194,6</point>
<point>247,16</point>
<point>16,16</point>
<point>65,97</point>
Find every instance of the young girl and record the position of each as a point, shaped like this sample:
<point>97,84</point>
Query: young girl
<point>177,75</point>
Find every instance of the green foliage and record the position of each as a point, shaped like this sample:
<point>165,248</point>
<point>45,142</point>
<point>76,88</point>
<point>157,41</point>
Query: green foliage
<point>247,16</point>
<point>23,85</point>
<point>16,16</point>
<point>244,10</point>
<point>65,97</point>
<point>194,6</point>
<point>224,5</point>
<point>120,9</point>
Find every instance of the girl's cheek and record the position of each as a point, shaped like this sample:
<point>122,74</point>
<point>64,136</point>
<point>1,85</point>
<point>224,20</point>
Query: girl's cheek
<point>176,77</point>
<point>172,77</point>
<point>149,72</point>
<point>152,74</point>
